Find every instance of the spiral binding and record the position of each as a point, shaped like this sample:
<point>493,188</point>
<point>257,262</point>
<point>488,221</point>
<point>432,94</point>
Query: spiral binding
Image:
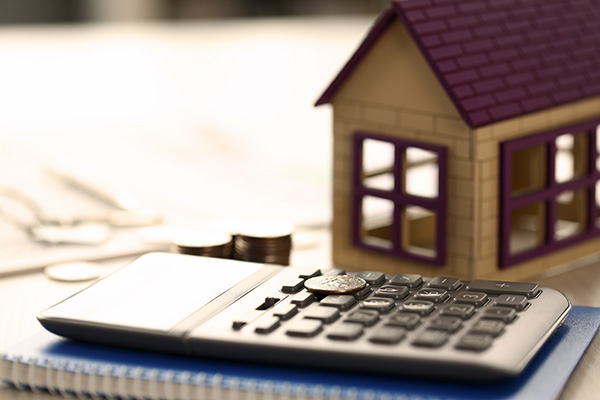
<point>130,383</point>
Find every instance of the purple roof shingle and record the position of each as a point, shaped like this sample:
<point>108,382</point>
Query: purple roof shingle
<point>499,59</point>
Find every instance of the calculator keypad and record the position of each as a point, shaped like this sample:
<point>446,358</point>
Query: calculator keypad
<point>399,310</point>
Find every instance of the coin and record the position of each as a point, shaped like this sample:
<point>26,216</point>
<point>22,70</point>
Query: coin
<point>264,241</point>
<point>78,271</point>
<point>203,243</point>
<point>335,284</point>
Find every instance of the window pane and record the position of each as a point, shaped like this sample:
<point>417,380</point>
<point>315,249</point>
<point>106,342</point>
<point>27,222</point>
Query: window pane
<point>376,220</point>
<point>422,172</point>
<point>597,204</point>
<point>571,214</point>
<point>571,157</point>
<point>528,169</point>
<point>378,164</point>
<point>527,228</point>
<point>418,231</point>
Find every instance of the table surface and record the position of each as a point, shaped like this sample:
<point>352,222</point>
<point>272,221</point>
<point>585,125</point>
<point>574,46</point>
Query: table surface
<point>155,106</point>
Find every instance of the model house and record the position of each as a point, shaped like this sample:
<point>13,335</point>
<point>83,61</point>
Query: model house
<point>466,139</point>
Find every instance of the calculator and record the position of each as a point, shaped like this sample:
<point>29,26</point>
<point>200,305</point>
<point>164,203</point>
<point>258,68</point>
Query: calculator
<point>366,321</point>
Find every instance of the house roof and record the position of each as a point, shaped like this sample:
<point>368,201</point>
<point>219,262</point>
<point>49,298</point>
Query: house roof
<point>499,59</point>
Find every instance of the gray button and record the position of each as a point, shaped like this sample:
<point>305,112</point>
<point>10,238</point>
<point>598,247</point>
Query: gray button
<point>285,311</point>
<point>346,331</point>
<point>303,299</point>
<point>373,278</point>
<point>409,280</point>
<point>432,294</point>
<point>393,292</point>
<point>267,325</point>
<point>488,326</point>
<point>442,282</point>
<point>405,320</point>
<point>515,301</point>
<point>304,328</point>
<point>473,341</point>
<point>465,311</point>
<point>341,301</point>
<point>420,307</point>
<point>528,290</point>
<point>365,317</point>
<point>431,338</point>
<point>293,286</point>
<point>310,274</point>
<point>476,299</point>
<point>446,323</point>
<point>503,314</point>
<point>325,314</point>
<point>388,335</point>
<point>380,304</point>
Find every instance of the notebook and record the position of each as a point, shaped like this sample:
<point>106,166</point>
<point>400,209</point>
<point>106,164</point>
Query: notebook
<point>46,362</point>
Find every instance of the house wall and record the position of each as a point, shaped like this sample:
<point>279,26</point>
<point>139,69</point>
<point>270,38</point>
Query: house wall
<point>486,168</point>
<point>394,92</point>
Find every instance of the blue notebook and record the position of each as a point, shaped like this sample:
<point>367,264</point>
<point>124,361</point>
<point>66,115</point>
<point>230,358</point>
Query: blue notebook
<point>50,363</point>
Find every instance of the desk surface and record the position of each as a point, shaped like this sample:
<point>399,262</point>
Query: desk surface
<point>155,105</point>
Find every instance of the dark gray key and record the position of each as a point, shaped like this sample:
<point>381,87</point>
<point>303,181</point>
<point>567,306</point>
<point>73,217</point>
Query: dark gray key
<point>373,278</point>
<point>528,290</point>
<point>325,314</point>
<point>361,294</point>
<point>303,299</point>
<point>267,325</point>
<point>446,323</point>
<point>504,314</point>
<point>475,342</point>
<point>420,307</point>
<point>431,338</point>
<point>285,311</point>
<point>304,328</point>
<point>464,311</point>
<point>346,331</point>
<point>341,301</point>
<point>310,274</point>
<point>409,280</point>
<point>293,286</point>
<point>380,304</point>
<point>515,301</point>
<point>476,299</point>
<point>268,303</point>
<point>488,326</point>
<point>432,294</point>
<point>365,317</point>
<point>393,292</point>
<point>405,320</point>
<point>388,335</point>
<point>442,282</point>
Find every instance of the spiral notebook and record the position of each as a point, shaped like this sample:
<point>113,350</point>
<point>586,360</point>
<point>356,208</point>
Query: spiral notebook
<point>46,362</point>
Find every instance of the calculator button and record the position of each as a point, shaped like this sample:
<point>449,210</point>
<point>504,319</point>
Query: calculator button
<point>380,304</point>
<point>431,338</point>
<point>373,278</point>
<point>388,335</point>
<point>418,306</point>
<point>393,292</point>
<point>464,311</point>
<point>528,290</point>
<point>405,320</point>
<point>473,341</point>
<point>442,282</point>
<point>503,314</point>
<point>361,294</point>
<point>325,314</point>
<point>310,274</point>
<point>304,328</point>
<point>488,326</point>
<point>293,286</point>
<point>268,303</point>
<point>238,324</point>
<point>285,311</point>
<point>267,325</point>
<point>432,294</point>
<point>303,299</point>
<point>446,323</point>
<point>476,299</point>
<point>346,331</point>
<point>342,301</point>
<point>515,301</point>
<point>408,280</point>
<point>365,317</point>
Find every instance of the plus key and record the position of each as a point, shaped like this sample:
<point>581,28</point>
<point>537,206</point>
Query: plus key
<point>528,290</point>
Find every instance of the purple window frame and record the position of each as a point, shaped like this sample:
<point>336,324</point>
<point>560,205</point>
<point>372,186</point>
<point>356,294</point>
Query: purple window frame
<point>400,199</point>
<point>547,194</point>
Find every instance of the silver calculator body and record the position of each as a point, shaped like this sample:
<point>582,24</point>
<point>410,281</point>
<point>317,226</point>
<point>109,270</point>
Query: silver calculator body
<point>398,324</point>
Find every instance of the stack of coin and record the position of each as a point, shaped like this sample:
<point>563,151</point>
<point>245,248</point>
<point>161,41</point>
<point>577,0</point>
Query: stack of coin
<point>265,242</point>
<point>203,243</point>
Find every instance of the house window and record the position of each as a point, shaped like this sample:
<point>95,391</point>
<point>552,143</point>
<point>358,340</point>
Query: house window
<point>400,197</point>
<point>550,192</point>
